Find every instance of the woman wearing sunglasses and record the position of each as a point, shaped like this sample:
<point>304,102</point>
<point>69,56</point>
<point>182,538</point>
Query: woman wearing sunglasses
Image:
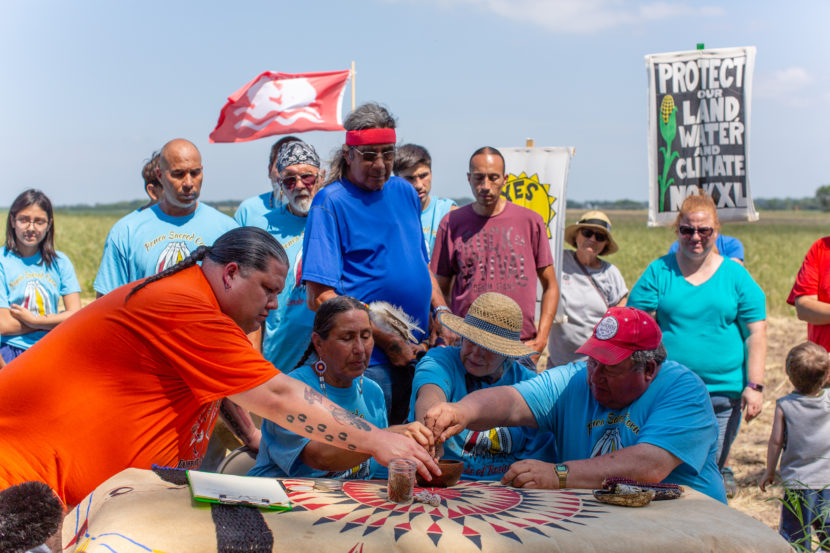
<point>707,306</point>
<point>589,286</point>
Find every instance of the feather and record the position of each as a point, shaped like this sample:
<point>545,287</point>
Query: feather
<point>391,318</point>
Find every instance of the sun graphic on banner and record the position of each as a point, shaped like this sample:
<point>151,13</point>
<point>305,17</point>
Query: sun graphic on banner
<point>467,510</point>
<point>528,192</point>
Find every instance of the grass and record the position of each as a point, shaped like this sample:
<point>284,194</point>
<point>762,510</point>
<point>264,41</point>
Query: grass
<point>775,245</point>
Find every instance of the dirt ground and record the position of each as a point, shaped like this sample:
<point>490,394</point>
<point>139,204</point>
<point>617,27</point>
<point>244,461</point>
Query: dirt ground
<point>748,455</point>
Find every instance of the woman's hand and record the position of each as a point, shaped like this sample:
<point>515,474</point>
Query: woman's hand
<point>23,315</point>
<point>752,401</point>
<point>445,420</point>
<point>417,432</point>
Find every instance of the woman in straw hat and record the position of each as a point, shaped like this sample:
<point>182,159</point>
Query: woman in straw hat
<point>588,288</point>
<point>490,347</point>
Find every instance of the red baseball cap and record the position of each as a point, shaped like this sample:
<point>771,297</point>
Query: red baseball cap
<point>621,332</point>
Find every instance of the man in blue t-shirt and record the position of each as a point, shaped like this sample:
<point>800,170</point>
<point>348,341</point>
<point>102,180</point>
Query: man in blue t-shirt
<point>363,238</point>
<point>294,170</point>
<point>626,412</point>
<point>413,163</point>
<point>147,241</point>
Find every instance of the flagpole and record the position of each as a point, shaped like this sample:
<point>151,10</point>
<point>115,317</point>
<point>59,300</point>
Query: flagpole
<point>353,75</point>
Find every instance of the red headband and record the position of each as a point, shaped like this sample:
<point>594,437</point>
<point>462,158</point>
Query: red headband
<point>370,136</point>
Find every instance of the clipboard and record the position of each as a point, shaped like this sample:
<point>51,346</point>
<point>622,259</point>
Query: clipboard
<point>230,489</point>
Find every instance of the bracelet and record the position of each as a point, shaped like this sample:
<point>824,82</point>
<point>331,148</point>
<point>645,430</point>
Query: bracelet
<point>438,309</point>
<point>754,386</point>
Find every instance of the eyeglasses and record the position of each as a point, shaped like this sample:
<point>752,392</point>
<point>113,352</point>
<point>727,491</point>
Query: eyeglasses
<point>290,182</point>
<point>24,222</point>
<point>370,156</point>
<point>595,234</point>
<point>704,232</point>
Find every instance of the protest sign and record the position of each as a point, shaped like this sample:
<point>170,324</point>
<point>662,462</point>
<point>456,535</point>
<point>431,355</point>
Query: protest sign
<point>698,131</point>
<point>537,179</point>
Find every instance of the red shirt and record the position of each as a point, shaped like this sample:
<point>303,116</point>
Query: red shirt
<point>814,280</point>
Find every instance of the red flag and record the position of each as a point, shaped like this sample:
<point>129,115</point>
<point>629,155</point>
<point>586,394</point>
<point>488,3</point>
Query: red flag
<point>279,103</point>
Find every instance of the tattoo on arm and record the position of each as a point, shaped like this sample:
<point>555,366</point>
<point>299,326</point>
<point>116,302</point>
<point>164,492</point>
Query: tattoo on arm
<point>345,417</point>
<point>312,396</point>
<point>340,415</point>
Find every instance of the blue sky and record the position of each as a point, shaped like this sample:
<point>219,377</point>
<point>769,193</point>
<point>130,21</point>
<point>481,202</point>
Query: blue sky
<point>91,88</point>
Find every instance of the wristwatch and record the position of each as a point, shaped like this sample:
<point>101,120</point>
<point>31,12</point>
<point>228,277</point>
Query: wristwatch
<point>754,386</point>
<point>562,473</point>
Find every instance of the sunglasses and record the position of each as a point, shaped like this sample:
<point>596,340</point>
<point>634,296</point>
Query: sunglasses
<point>704,232</point>
<point>595,234</point>
<point>290,182</point>
<point>370,156</point>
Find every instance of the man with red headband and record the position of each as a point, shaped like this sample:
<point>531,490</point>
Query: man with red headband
<point>625,412</point>
<point>363,238</point>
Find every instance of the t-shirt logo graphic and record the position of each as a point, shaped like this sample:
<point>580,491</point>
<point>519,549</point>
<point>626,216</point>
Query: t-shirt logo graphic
<point>172,254</point>
<point>359,472</point>
<point>298,270</point>
<point>607,328</point>
<point>36,299</point>
<point>488,443</point>
<point>608,442</point>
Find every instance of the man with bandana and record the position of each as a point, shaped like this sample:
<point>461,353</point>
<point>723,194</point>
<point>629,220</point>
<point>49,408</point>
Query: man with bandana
<point>364,239</point>
<point>294,170</point>
<point>148,241</point>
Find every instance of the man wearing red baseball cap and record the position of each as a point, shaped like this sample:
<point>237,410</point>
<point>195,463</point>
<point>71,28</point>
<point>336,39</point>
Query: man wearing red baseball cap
<point>625,412</point>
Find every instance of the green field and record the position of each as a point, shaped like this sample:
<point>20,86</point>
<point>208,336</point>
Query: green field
<point>775,245</point>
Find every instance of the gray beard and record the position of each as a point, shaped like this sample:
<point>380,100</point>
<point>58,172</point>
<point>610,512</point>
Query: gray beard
<point>300,207</point>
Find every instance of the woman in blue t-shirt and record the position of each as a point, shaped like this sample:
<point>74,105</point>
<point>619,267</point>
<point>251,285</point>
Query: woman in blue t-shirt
<point>490,345</point>
<point>33,276</point>
<point>707,306</point>
<point>340,349</point>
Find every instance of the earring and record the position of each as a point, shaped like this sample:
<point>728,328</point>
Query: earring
<point>320,368</point>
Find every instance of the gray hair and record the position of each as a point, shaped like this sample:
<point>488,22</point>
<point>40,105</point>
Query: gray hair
<point>324,319</point>
<point>642,357</point>
<point>367,116</point>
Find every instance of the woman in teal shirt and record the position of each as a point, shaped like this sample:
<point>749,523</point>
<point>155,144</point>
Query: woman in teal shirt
<point>705,305</point>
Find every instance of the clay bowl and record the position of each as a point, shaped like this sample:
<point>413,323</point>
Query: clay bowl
<point>450,475</point>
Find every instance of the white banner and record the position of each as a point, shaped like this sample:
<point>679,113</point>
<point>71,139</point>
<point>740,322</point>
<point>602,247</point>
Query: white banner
<point>537,179</point>
<point>698,131</point>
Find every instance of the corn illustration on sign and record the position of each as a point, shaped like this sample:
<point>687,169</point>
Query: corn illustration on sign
<point>699,106</point>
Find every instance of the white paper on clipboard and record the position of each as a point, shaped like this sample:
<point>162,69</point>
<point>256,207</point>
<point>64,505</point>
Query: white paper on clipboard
<point>241,490</point>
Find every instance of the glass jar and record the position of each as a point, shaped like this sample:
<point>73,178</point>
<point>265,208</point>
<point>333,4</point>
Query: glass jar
<point>401,483</point>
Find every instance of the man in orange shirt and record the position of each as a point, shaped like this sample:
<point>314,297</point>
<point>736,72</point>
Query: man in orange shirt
<point>135,378</point>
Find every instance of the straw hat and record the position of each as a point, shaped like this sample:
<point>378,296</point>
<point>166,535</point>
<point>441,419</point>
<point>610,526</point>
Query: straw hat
<point>493,322</point>
<point>594,220</point>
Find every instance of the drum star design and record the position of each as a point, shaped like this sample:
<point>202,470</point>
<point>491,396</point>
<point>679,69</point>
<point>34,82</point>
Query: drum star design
<point>468,509</point>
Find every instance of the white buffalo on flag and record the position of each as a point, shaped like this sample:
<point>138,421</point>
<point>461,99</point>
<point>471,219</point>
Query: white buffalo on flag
<point>280,103</point>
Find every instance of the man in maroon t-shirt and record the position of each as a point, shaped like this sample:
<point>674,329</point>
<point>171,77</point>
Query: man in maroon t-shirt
<point>493,245</point>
